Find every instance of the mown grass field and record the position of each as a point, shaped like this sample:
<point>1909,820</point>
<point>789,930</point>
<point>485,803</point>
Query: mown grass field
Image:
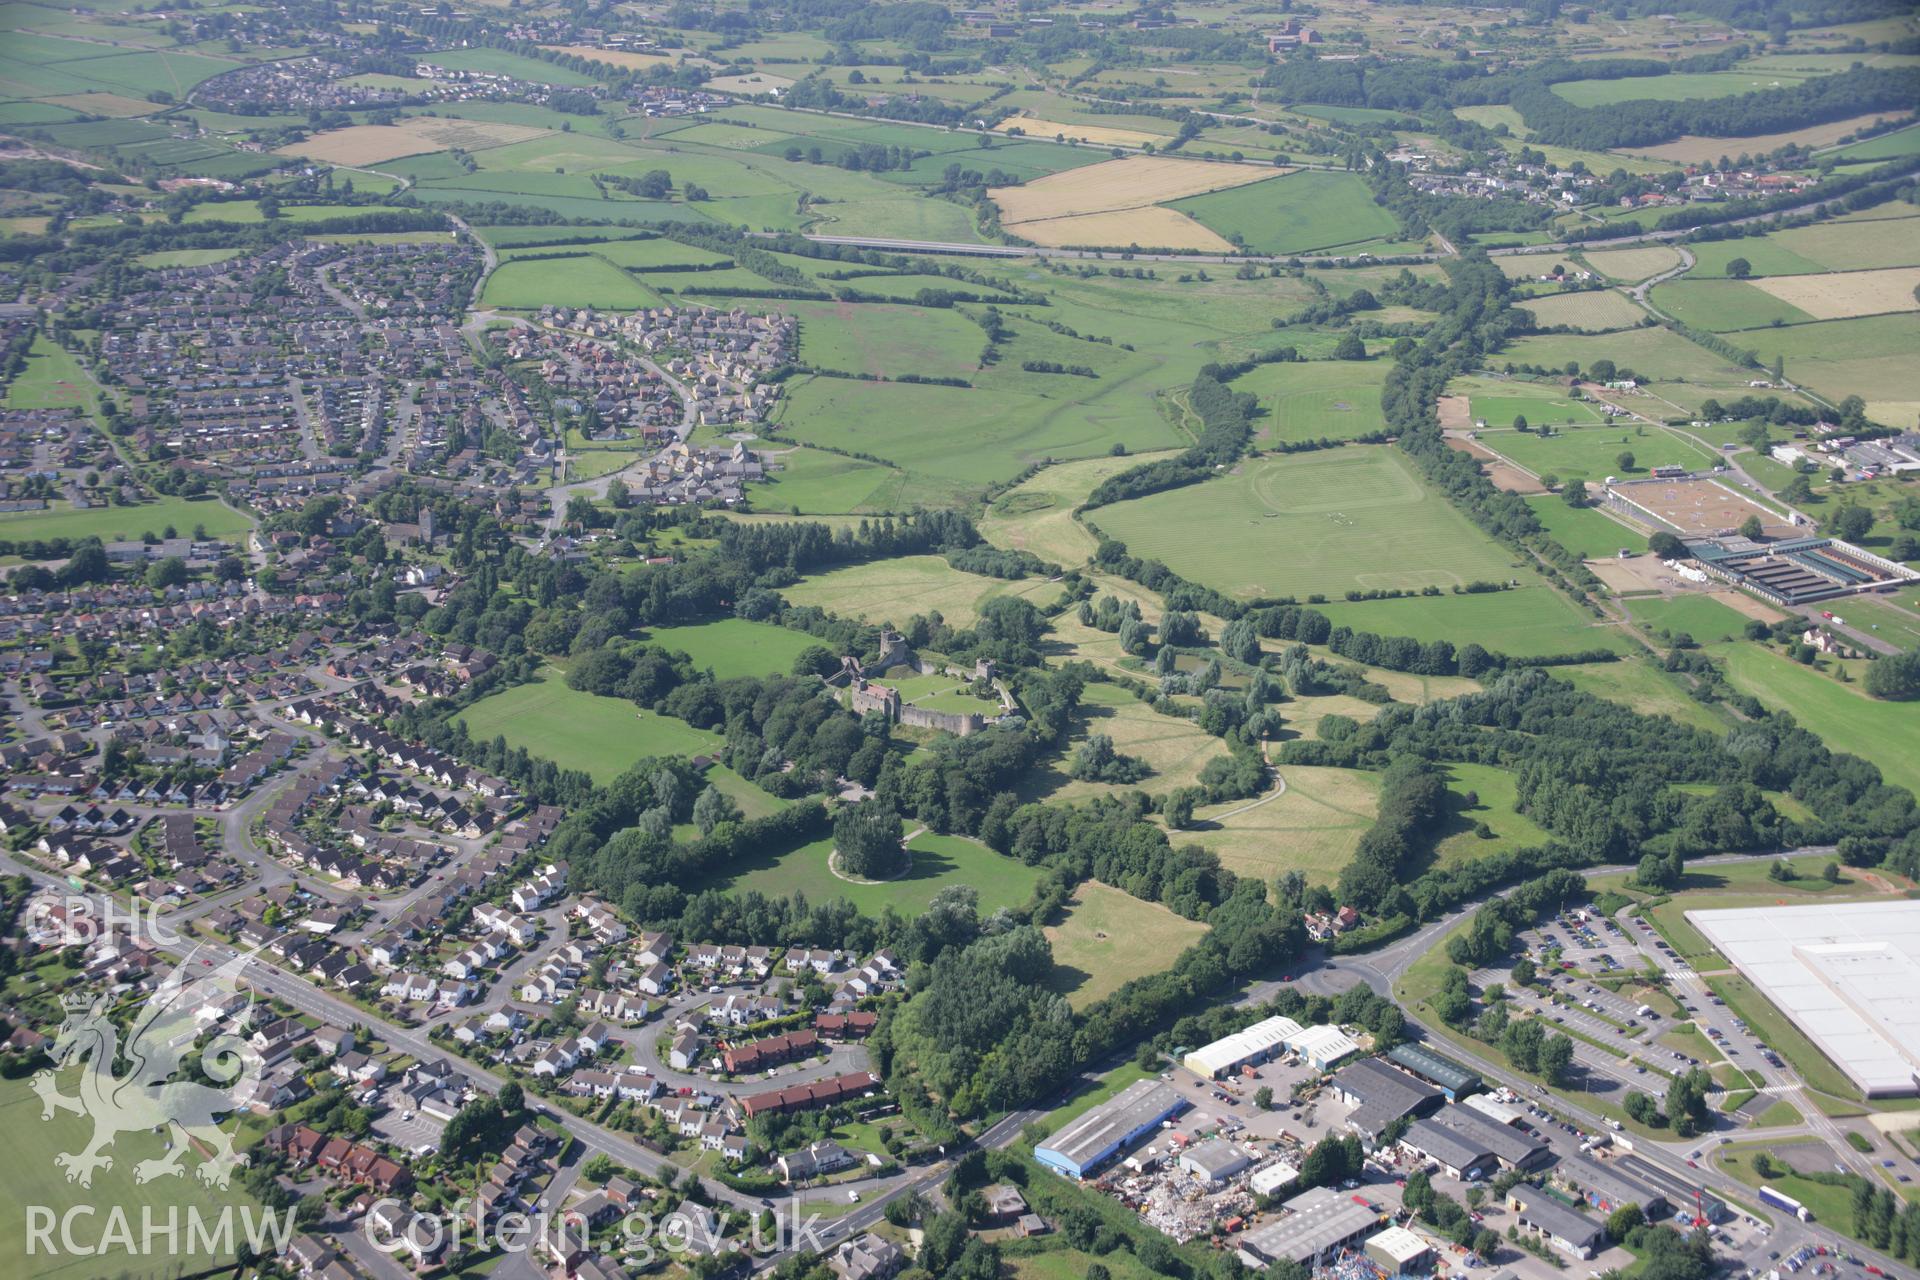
<point>1174,748</point>
<point>938,862</point>
<point>1586,531</point>
<point>30,1177</point>
<point>736,647</point>
<point>1723,306</point>
<point>1871,358</point>
<point>599,736</point>
<point>1494,795</point>
<point>117,524</point>
<point>1674,87</point>
<point>1037,514</point>
<point>585,281</point>
<point>883,339</point>
<point>817,482</point>
<point>1887,733</point>
<point>1705,619</point>
<point>1298,213</point>
<point>1594,310</point>
<point>1533,621</point>
<point>1593,453</point>
<point>1311,827</point>
<point>1316,522</point>
<point>894,590</point>
<point>1499,403</point>
<point>1108,938</point>
<point>1640,685</point>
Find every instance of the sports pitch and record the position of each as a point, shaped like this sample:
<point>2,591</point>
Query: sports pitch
<point>1310,523</point>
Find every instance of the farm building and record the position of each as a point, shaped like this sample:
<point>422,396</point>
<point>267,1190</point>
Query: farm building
<point>1102,1133</point>
<point>1258,1043</point>
<point>1452,1080</point>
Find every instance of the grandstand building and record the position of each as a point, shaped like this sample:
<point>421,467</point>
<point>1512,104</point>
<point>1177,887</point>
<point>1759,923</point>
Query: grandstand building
<point>1798,571</point>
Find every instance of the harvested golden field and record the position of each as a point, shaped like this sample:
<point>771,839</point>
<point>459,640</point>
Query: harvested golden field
<point>1312,826</point>
<point>1531,266</point>
<point>1694,149</point>
<point>1150,227</point>
<point>625,59</point>
<point>755,82</point>
<point>1033,127</point>
<point>105,104</point>
<point>1631,266</point>
<point>1594,310</point>
<point>1132,183</point>
<point>1844,294</point>
<point>373,143</point>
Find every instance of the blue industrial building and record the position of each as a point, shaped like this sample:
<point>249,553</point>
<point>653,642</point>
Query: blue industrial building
<point>1088,1143</point>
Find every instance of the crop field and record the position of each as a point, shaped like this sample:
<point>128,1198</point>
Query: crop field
<point>1702,617</point>
<point>1323,522</point>
<point>1533,266</point>
<point>1333,399</point>
<point>625,59</point>
<point>1175,748</point>
<point>1674,87</point>
<point>1725,306</point>
<point>1593,453</point>
<point>1533,621</point>
<point>1133,183</point>
<point>585,281</point>
<point>32,1177</point>
<point>959,439</point>
<point>735,647</point>
<point>1033,127</point>
<point>1844,295</point>
<point>1586,531</point>
<point>372,143</point>
<point>1697,149</point>
<point>1887,733</point>
<point>1312,826</point>
<point>1298,213</point>
<point>894,590</point>
<point>1594,309</point>
<point>1108,938</point>
<point>1147,227</point>
<point>602,737</point>
<point>939,862</point>
<point>1630,266</point>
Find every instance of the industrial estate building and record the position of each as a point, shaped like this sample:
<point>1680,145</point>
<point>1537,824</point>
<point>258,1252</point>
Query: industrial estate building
<point>1565,1228</point>
<point>1318,1224</point>
<point>1380,1095</point>
<point>1449,1077</point>
<point>1847,974</point>
<point>1088,1143</point>
<point>1468,1144</point>
<point>1319,1047</point>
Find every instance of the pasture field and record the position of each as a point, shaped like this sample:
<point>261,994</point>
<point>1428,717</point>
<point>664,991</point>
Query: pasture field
<point>186,257</point>
<point>1037,514</point>
<point>602,737</point>
<point>1175,748</point>
<point>939,862</point>
<point>1592,453</point>
<point>1533,621</point>
<point>1630,266</point>
<point>894,590</point>
<point>104,104</point>
<point>1335,399</point>
<point>534,237</point>
<point>1596,310</point>
<point>814,481</point>
<point>1108,938</point>
<point>1887,733</point>
<point>1702,617</point>
<point>1298,213</point>
<point>1034,127</point>
<point>735,647</point>
<point>1844,295</point>
<point>1674,87</point>
<point>1650,353</point>
<point>1586,531</point>
<point>1118,184</point>
<point>1641,685</point>
<point>1863,244</point>
<point>373,143</point>
<point>585,281</point>
<point>1148,227</point>
<point>625,59</point>
<point>1881,618</point>
<point>1309,523</point>
<point>1888,146</point>
<point>1532,266</point>
<point>1724,306</point>
<point>1494,793</point>
<point>1870,357</point>
<point>644,255</point>
<point>959,439</point>
<point>1311,827</point>
<point>31,1177</point>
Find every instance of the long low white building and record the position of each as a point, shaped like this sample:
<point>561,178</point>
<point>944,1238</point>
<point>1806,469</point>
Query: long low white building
<point>1847,974</point>
<point>1259,1043</point>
